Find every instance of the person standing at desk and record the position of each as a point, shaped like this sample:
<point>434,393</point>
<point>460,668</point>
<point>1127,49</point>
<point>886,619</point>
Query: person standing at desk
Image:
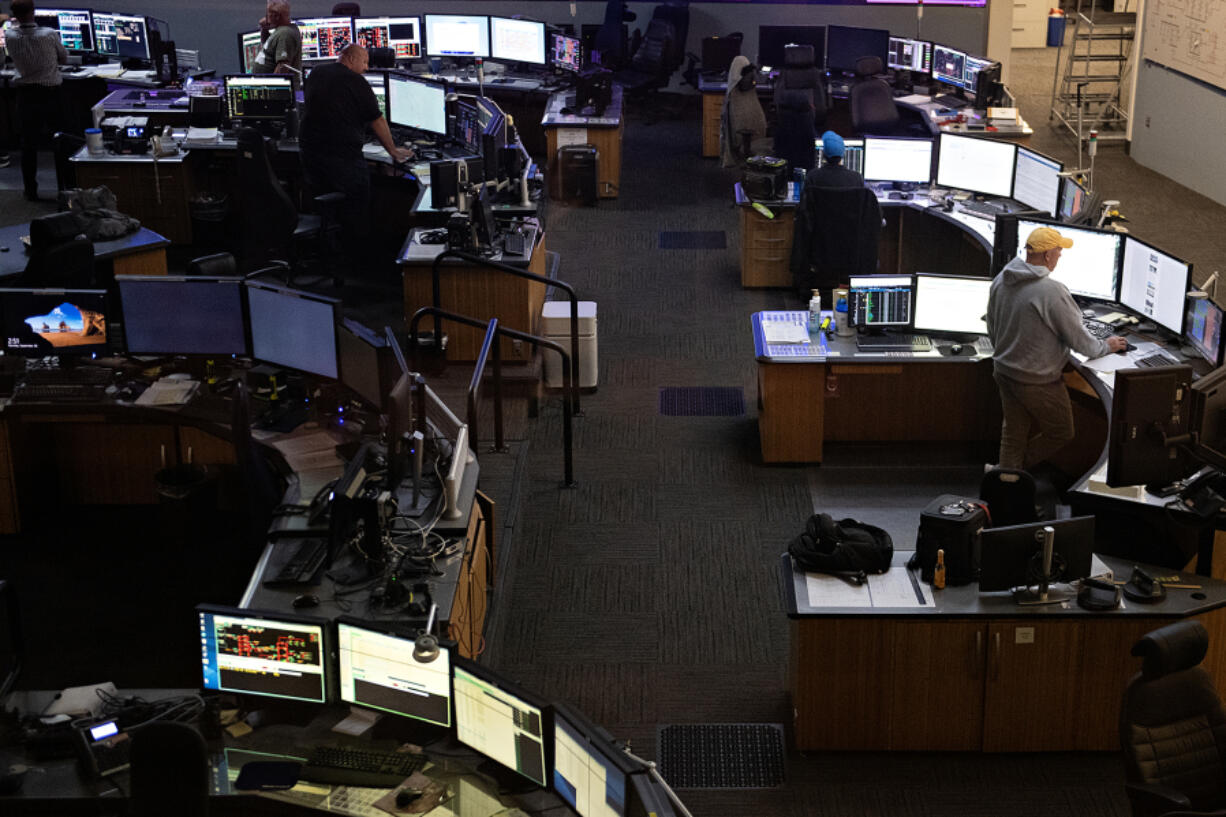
<point>1033,322</point>
<point>340,106</point>
<point>37,54</point>
<point>281,52</point>
<point>832,173</point>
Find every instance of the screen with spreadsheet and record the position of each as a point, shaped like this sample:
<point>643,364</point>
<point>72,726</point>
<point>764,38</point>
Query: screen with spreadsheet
<point>401,34</point>
<point>517,40</point>
<point>457,35</point>
<point>951,303</point>
<point>499,722</point>
<point>589,773</point>
<point>1154,284</point>
<point>978,165</point>
<point>889,159</point>
<point>1036,180</point>
<point>1090,268</point>
<point>880,300</point>
<point>414,103</point>
<point>324,37</point>
<point>378,670</point>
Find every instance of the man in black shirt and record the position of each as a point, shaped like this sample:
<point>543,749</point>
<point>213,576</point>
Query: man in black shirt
<point>340,106</point>
<point>832,173</point>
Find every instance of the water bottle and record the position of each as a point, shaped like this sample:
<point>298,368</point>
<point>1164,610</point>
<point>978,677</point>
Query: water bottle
<point>815,311</point>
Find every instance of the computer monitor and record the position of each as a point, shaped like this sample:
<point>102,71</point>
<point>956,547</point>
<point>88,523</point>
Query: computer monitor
<point>121,35</point>
<point>589,772</point>
<point>75,27</point>
<point>853,154</point>
<point>910,55</point>
<point>365,361</point>
<point>378,671</point>
<point>401,34</point>
<point>182,315</point>
<point>980,75</point>
<point>378,83</point>
<point>951,304</point>
<point>1209,417</point>
<point>773,40</point>
<point>949,65</point>
<point>258,97</point>
<point>897,159</point>
<point>880,300</point>
<point>500,721</point>
<point>976,164</point>
<point>1202,329</point>
<point>1148,408</point>
<point>515,40</point>
<point>718,53</point>
<point>1036,180</point>
<point>567,52</point>
<point>1011,556</point>
<point>1090,268</point>
<point>416,103</point>
<point>846,44</point>
<point>249,45</point>
<point>324,37</point>
<point>1154,284</point>
<point>467,126</point>
<point>62,322</point>
<point>293,328</point>
<point>457,35</point>
<point>1073,197</point>
<point>253,652</point>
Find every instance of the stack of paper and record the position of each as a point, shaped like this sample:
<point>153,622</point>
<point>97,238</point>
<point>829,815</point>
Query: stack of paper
<point>201,137</point>
<point>168,392</point>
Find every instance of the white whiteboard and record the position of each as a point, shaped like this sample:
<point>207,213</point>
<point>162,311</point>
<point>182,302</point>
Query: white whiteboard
<point>1189,36</point>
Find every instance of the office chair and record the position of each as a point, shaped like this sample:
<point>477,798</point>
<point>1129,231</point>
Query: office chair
<point>219,264</point>
<point>60,256</point>
<point>610,38</point>
<point>872,101</point>
<point>742,130</point>
<point>799,73</point>
<point>1010,494</point>
<point>347,10</point>
<point>648,70</point>
<point>64,146</point>
<point>260,486</point>
<point>834,236</point>
<point>1173,726</point>
<point>678,16</point>
<point>169,772</point>
<point>795,133</point>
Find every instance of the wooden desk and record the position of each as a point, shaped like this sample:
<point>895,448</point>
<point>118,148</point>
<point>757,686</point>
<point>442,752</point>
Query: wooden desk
<point>140,253</point>
<point>712,114</point>
<point>156,193</point>
<point>972,671</point>
<point>604,132</point>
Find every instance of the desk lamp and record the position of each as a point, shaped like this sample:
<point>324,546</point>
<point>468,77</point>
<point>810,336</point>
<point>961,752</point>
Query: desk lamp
<point>426,648</point>
<point>1207,289</point>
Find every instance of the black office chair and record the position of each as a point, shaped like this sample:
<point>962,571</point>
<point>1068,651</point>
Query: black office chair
<point>872,100</point>
<point>800,73</point>
<point>347,10</point>
<point>678,16</point>
<point>795,134</point>
<point>1010,494</point>
<point>648,70</point>
<point>834,236</point>
<point>1173,726</point>
<point>382,58</point>
<point>610,38</point>
<point>64,146</point>
<point>169,771</point>
<point>261,487</point>
<point>60,255</point>
<point>219,264</point>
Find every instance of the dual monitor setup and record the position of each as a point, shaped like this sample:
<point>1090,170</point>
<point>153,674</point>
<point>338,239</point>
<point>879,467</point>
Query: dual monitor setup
<point>425,690</point>
<point>103,33</point>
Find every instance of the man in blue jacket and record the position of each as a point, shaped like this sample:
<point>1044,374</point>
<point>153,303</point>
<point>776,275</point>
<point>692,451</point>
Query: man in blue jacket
<point>1033,323</point>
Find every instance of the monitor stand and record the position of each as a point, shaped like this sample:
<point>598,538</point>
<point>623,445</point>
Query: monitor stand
<point>1043,594</point>
<point>357,722</point>
<point>509,781</point>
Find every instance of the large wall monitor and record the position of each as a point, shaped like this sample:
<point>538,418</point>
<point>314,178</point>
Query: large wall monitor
<point>258,653</point>
<point>1202,328</point>
<point>846,44</point>
<point>401,34</point>
<point>910,55</point>
<point>888,159</point>
<point>516,40</point>
<point>182,315</point>
<point>879,300</point>
<point>378,670</point>
<point>500,721</point>
<point>457,35</point>
<point>1154,284</point>
<point>121,35</point>
<point>292,328</point>
<point>1090,268</point>
<point>61,322</point>
<point>324,37</point>
<point>75,26</point>
<point>1036,180</point>
<point>979,165</point>
<point>952,304</point>
<point>414,103</point>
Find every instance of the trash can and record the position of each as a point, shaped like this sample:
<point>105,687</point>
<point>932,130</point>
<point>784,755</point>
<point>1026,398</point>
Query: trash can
<point>577,174</point>
<point>187,494</point>
<point>1055,28</point>
<point>555,325</point>
<point>208,214</point>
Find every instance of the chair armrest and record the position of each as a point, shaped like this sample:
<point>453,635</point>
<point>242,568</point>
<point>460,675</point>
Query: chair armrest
<point>329,199</point>
<point>1154,799</point>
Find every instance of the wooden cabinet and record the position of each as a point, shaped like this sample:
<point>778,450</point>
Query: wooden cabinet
<point>790,408</point>
<point>766,247</point>
<point>157,194</point>
<point>476,577</point>
<point>1030,23</point>
<point>712,109</point>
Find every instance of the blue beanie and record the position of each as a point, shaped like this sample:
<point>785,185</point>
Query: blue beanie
<point>832,145</point>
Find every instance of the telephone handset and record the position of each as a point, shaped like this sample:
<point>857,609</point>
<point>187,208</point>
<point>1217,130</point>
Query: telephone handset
<point>1204,495</point>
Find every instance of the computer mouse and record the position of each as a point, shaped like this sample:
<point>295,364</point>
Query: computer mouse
<point>956,349</point>
<point>306,600</point>
<point>405,797</point>
<point>1128,347</point>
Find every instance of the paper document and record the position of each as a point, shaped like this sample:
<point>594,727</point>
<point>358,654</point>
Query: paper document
<point>166,392</point>
<point>201,136</point>
<point>571,136</point>
<point>894,588</point>
<point>832,591</point>
<point>784,332</point>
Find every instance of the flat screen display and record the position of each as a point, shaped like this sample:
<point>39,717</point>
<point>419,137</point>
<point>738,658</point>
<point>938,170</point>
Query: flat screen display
<point>587,772</point>
<point>1202,328</point>
<point>413,103</point>
<point>259,96</point>
<point>248,49</point>
<point>897,160</point>
<point>75,26</point>
<point>378,670</point>
<point>358,348</point>
<point>121,35</point>
<point>1090,267</point>
<point>1154,284</point>
<point>517,40</point>
<point>948,65</point>
<point>1036,180</point>
<point>498,722</point>
<point>189,315</point>
<point>294,329</point>
<point>457,35</point>
<point>880,300</point>
<point>910,55</point>
<point>401,34</point>
<point>324,37</point>
<point>1072,198</point>
<point>257,653</point>
<point>845,45</point>
<point>60,322</point>
<point>773,40</point>
<point>568,53</point>
<point>979,165</point>
<point>951,303</point>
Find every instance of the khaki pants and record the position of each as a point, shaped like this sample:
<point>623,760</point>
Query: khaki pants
<point>1038,421</point>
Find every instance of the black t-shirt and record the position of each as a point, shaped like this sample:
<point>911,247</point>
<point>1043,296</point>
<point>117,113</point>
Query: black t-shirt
<point>339,106</point>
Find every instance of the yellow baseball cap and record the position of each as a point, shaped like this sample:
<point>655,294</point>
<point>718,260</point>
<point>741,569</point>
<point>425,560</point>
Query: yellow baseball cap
<point>1042,239</point>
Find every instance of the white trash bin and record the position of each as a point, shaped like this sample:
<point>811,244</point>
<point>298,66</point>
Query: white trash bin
<point>555,325</point>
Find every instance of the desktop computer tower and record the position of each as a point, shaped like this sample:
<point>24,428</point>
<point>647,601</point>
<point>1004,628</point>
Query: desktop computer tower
<point>577,173</point>
<point>444,184</point>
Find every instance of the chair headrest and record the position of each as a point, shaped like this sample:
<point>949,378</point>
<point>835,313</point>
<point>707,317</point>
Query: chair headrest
<point>1172,648</point>
<point>798,56</point>
<point>868,66</point>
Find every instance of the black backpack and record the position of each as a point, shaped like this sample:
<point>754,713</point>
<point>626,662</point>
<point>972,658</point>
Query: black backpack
<point>846,546</point>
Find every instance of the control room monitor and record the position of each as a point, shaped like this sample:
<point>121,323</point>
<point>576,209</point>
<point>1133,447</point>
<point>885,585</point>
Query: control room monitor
<point>457,35</point>
<point>589,772</point>
<point>121,35</point>
<point>415,103</point>
<point>879,300</point>
<point>60,322</point>
<point>182,315</point>
<point>1154,284</point>
<point>378,670</point>
<point>259,97</point>
<point>401,34</point>
<point>324,37</point>
<point>846,44</point>
<point>75,27</point>
<point>249,45</point>
<point>1090,268</point>
<point>889,159</point>
<point>1202,329</point>
<point>978,165</point>
<point>910,55</point>
<point>1036,180</point>
<point>515,40</point>
<point>257,653</point>
<point>774,40</point>
<point>499,721</point>
<point>949,65</point>
<point>567,52</point>
<point>292,328</point>
<point>951,304</point>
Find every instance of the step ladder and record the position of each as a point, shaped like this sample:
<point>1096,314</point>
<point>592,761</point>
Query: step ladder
<point>1088,93</point>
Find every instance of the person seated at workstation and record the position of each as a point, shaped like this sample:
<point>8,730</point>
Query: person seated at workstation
<point>742,129</point>
<point>340,107</point>
<point>1033,322</point>
<point>281,52</point>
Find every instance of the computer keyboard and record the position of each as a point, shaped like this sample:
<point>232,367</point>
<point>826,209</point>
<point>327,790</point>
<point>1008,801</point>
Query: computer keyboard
<point>1098,329</point>
<point>895,343</point>
<point>360,767</point>
<point>983,346</point>
<point>85,375</point>
<point>1155,360</point>
<point>305,559</point>
<point>951,101</point>
<point>986,209</point>
<point>60,393</point>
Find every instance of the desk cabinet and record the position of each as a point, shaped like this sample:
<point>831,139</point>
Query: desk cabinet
<point>471,599</point>
<point>712,110</point>
<point>155,194</point>
<point>766,247</point>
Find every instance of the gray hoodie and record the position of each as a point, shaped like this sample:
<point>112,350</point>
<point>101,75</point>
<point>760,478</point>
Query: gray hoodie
<point>1033,322</point>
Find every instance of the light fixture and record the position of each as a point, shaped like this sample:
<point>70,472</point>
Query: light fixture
<point>1207,289</point>
<point>425,649</point>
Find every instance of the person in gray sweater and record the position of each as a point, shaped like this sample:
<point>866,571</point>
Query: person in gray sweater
<point>1033,323</point>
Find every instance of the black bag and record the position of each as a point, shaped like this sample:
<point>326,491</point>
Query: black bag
<point>765,178</point>
<point>846,546</point>
<point>953,524</point>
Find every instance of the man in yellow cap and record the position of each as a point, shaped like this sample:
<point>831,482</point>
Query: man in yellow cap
<point>1033,322</point>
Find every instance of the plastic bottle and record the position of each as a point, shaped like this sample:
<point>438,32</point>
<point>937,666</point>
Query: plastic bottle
<point>938,572</point>
<point>815,311</point>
